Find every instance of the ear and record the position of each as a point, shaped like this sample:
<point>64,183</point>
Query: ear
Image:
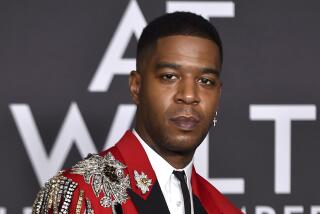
<point>220,91</point>
<point>220,88</point>
<point>135,85</point>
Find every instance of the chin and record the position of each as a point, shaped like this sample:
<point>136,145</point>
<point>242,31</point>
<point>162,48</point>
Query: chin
<point>191,137</point>
<point>183,143</point>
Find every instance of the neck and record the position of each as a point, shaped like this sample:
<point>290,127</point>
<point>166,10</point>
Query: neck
<point>178,160</point>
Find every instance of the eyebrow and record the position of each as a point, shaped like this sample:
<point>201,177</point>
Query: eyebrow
<point>175,66</point>
<point>161,65</point>
<point>211,71</point>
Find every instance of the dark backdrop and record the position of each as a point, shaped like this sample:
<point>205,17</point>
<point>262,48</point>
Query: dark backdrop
<point>266,143</point>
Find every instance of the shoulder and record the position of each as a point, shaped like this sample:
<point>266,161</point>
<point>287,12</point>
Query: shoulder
<point>207,193</point>
<point>56,194</point>
<point>95,183</point>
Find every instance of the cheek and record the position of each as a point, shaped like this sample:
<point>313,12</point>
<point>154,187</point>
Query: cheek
<point>159,103</point>
<point>160,96</point>
<point>209,106</point>
<point>208,112</point>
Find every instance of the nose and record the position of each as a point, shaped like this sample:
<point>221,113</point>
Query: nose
<point>187,92</point>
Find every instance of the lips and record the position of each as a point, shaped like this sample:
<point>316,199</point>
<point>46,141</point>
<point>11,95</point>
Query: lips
<point>186,123</point>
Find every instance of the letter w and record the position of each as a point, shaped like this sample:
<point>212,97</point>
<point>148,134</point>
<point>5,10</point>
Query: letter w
<point>73,131</point>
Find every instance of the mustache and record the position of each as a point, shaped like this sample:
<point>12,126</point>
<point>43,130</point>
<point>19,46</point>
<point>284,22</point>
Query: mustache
<point>186,112</point>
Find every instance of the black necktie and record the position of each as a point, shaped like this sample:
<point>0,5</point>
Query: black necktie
<point>186,194</point>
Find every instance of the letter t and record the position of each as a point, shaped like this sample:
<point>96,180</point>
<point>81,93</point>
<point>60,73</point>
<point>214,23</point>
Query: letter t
<point>282,115</point>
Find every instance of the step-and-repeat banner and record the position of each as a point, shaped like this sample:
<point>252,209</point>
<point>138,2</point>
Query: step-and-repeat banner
<point>64,67</point>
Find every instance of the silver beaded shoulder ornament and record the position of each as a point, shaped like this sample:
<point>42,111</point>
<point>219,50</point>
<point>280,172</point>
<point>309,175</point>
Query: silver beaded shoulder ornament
<point>104,174</point>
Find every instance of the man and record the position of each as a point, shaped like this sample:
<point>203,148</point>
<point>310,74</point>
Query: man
<point>176,88</point>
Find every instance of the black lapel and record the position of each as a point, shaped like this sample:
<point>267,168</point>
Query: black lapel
<point>197,206</point>
<point>155,203</point>
<point>118,209</point>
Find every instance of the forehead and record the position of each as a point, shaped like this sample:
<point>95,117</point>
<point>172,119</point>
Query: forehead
<point>188,50</point>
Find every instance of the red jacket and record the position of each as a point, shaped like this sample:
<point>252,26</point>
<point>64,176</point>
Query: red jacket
<point>92,185</point>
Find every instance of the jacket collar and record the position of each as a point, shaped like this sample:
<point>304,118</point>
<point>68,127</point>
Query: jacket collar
<point>136,159</point>
<point>203,191</point>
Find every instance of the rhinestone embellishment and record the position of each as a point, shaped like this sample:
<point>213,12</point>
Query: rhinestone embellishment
<point>142,181</point>
<point>105,174</point>
<point>57,191</point>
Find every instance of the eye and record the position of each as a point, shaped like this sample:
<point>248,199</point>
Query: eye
<point>169,77</point>
<point>206,81</point>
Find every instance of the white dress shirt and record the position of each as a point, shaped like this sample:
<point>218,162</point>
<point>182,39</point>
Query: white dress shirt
<point>169,184</point>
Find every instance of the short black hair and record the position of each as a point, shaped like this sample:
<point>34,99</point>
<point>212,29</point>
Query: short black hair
<point>177,23</point>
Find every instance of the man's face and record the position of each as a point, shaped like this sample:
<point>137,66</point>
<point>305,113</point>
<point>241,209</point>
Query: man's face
<point>177,93</point>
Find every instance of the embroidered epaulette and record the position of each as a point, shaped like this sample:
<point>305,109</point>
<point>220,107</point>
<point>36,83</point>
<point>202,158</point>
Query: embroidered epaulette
<point>105,174</point>
<point>56,195</point>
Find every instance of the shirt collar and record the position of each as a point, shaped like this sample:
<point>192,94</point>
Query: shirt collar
<point>161,167</point>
